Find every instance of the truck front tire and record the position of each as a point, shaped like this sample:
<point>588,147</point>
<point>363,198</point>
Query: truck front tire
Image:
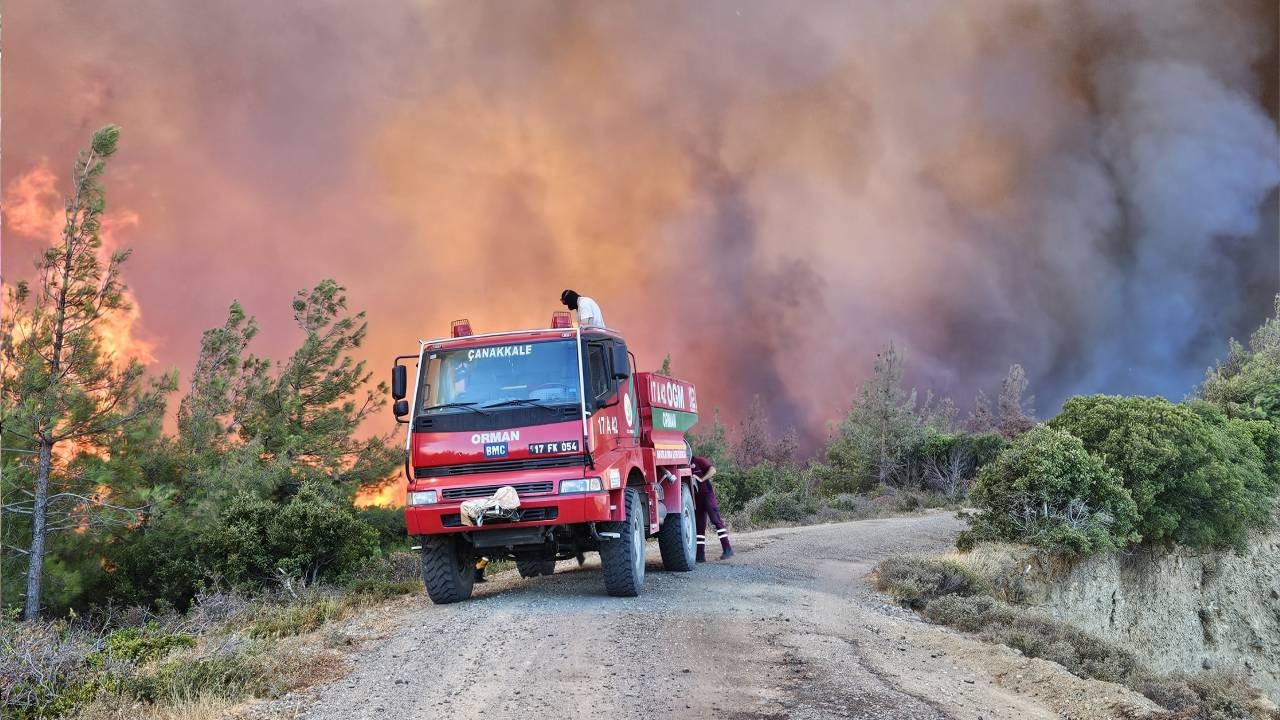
<point>676,536</point>
<point>623,557</point>
<point>448,571</point>
<point>534,568</point>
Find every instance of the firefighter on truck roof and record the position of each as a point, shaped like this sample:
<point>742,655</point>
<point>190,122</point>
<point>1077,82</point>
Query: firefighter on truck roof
<point>707,506</point>
<point>589,314</point>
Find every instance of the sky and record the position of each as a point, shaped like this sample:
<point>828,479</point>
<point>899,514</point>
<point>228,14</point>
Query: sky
<point>770,192</point>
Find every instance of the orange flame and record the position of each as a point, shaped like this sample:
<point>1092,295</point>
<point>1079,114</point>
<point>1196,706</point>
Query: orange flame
<point>33,207</point>
<point>390,495</point>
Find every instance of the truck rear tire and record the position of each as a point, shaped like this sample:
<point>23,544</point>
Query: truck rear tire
<point>534,568</point>
<point>447,568</point>
<point>623,557</point>
<point>676,537</point>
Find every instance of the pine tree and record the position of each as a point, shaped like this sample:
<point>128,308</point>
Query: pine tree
<point>1014,415</point>
<point>225,385</point>
<point>873,441</point>
<point>982,419</point>
<point>61,391</point>
<point>1246,384</point>
<point>939,414</point>
<point>310,413</point>
<point>755,440</point>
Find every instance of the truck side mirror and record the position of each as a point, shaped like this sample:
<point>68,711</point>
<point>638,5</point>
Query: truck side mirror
<point>401,408</point>
<point>621,362</point>
<point>399,385</point>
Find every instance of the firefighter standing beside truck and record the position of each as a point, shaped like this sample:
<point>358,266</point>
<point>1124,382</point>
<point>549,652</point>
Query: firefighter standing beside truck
<point>708,507</point>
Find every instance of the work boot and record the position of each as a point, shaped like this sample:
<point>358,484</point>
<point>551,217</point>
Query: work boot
<point>702,554</point>
<point>728,553</point>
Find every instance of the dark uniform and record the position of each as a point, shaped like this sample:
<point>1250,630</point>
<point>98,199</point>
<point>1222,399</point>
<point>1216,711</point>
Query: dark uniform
<point>706,506</point>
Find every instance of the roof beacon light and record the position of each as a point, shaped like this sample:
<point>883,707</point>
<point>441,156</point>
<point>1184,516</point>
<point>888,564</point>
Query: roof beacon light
<point>560,320</point>
<point>461,328</point>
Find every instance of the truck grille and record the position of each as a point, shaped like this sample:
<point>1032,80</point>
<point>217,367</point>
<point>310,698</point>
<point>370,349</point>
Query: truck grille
<point>558,461</point>
<point>527,515</point>
<point>528,488</point>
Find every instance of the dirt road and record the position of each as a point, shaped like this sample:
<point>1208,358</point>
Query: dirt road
<point>787,629</point>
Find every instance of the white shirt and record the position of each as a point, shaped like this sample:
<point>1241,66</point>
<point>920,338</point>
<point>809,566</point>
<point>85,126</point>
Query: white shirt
<point>589,314</point>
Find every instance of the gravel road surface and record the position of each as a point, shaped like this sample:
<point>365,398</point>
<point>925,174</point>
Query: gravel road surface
<point>789,628</point>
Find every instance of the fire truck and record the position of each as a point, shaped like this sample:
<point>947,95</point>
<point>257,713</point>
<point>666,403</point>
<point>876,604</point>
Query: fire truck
<point>594,451</point>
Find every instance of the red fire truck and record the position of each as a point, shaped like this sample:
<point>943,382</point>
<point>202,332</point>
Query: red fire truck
<point>594,450</point>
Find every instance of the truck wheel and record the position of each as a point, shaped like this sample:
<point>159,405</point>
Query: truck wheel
<point>676,537</point>
<point>447,568</point>
<point>534,568</point>
<point>623,556</point>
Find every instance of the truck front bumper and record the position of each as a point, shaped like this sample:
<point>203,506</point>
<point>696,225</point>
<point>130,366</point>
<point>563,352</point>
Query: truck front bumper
<point>568,509</point>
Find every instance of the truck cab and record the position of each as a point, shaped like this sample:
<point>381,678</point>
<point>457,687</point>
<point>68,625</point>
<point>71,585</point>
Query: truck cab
<point>561,416</point>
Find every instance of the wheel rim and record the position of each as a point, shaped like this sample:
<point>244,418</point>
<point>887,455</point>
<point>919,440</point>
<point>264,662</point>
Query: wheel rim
<point>686,522</point>
<point>637,546</point>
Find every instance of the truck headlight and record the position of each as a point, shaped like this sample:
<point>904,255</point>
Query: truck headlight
<point>423,497</point>
<point>580,485</point>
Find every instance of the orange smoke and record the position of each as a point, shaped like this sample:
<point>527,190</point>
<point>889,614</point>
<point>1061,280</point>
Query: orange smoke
<point>768,192</point>
<point>33,207</point>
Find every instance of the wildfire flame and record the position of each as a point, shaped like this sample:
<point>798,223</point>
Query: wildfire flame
<point>391,495</point>
<point>33,207</point>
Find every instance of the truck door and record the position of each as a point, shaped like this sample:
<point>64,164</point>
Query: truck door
<point>614,424</point>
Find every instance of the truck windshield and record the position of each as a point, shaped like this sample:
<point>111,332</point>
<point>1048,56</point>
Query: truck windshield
<point>499,376</point>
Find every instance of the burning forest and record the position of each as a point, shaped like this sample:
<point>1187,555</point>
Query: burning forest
<point>858,260</point>
<point>809,209</point>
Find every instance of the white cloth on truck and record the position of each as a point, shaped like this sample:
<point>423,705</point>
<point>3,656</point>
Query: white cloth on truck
<point>502,503</point>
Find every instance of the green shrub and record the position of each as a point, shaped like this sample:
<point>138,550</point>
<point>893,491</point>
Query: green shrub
<point>1045,490</point>
<point>1083,654</point>
<point>141,645</point>
<point>393,534</point>
<point>971,614</point>
<point>775,506</point>
<point>986,447</point>
<point>848,502</point>
<point>1247,383</point>
<point>165,561</point>
<point>735,488</point>
<point>1197,477</point>
<point>312,536</point>
<point>916,580</point>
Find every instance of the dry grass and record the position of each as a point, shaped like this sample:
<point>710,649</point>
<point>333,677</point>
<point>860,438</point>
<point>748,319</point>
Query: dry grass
<point>226,649</point>
<point>1004,568</point>
<point>115,707</point>
<point>916,580</point>
<point>1206,696</point>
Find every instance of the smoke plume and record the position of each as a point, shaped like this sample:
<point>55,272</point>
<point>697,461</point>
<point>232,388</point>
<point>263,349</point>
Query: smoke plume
<point>768,191</point>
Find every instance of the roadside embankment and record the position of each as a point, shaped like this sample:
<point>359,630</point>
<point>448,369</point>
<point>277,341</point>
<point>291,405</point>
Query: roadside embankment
<point>1194,632</point>
<point>1180,610</point>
